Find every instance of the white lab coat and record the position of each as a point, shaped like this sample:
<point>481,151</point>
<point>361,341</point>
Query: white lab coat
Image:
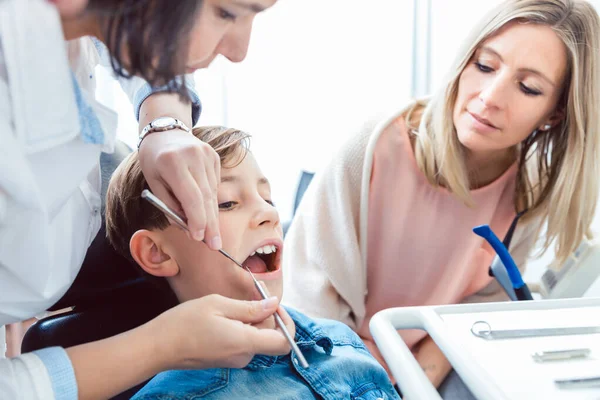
<point>49,178</point>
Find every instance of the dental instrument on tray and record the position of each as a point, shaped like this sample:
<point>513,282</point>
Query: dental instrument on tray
<point>156,202</point>
<point>561,355</point>
<point>483,330</point>
<point>521,290</point>
<point>578,383</point>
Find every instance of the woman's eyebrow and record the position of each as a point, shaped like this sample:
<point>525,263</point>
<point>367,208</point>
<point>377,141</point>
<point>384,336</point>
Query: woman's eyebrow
<point>488,49</point>
<point>255,8</point>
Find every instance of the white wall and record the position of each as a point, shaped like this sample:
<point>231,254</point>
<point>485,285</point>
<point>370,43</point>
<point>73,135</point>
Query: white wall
<point>451,22</point>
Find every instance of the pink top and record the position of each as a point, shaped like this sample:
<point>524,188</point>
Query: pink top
<point>421,247</point>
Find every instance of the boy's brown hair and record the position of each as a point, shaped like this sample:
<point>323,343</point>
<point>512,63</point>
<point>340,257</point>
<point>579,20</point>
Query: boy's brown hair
<point>127,212</point>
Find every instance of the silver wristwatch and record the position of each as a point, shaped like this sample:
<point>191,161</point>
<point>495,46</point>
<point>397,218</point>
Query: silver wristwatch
<point>161,124</point>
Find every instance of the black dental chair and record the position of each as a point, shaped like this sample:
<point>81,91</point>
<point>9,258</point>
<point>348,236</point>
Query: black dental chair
<point>108,297</point>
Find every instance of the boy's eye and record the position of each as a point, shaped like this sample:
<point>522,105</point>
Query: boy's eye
<point>228,205</point>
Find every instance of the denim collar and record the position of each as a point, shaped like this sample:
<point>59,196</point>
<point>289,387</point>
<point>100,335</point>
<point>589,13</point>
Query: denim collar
<point>308,334</point>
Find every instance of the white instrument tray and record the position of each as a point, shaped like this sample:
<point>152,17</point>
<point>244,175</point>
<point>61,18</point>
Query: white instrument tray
<point>494,369</point>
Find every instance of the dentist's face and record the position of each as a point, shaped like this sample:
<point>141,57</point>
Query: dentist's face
<point>510,88</point>
<point>223,27</point>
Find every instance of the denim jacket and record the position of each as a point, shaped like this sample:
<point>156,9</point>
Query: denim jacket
<point>341,367</point>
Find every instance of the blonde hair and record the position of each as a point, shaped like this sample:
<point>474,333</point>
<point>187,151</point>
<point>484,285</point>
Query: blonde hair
<point>557,179</point>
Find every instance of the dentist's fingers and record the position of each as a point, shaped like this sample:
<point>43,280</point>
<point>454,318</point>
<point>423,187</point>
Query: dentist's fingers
<point>287,320</point>
<point>211,176</point>
<point>215,332</point>
<point>167,160</point>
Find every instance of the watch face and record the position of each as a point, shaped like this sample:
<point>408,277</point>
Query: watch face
<point>163,122</point>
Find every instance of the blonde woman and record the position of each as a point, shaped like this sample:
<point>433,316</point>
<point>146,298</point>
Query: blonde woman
<point>515,127</point>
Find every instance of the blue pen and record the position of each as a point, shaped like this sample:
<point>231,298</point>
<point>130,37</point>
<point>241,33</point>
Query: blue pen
<point>521,290</point>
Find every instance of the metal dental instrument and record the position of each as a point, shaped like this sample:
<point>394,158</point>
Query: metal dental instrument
<point>156,202</point>
<point>578,383</point>
<point>561,355</point>
<point>483,330</point>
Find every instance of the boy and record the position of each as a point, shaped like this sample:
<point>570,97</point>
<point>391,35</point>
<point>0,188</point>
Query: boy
<point>340,364</point>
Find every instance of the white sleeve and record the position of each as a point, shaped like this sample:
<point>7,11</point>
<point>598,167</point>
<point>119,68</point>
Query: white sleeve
<point>43,374</point>
<point>25,377</point>
<point>138,90</point>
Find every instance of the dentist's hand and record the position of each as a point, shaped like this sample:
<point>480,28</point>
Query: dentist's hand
<point>210,332</point>
<point>184,172</point>
<point>216,332</point>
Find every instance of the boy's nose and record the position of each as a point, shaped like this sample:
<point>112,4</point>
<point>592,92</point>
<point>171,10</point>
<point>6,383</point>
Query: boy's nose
<point>266,215</point>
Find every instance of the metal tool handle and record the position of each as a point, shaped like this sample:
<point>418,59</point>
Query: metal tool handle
<point>483,330</point>
<point>283,328</point>
<point>158,203</point>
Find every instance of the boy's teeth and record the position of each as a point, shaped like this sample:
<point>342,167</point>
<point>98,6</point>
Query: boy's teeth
<point>253,253</point>
<point>268,249</point>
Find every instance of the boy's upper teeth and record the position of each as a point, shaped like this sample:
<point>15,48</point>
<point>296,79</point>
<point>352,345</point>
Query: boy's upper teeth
<point>268,249</point>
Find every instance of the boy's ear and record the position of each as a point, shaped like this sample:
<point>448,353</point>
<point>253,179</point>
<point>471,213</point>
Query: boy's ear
<point>147,249</point>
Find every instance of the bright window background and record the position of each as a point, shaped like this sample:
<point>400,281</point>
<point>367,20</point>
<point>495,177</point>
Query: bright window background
<point>315,72</point>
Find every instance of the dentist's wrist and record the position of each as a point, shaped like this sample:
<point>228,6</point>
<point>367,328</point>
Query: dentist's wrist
<point>161,124</point>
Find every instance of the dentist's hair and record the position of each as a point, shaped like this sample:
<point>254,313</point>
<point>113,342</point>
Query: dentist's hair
<point>558,174</point>
<point>148,38</point>
<point>127,212</point>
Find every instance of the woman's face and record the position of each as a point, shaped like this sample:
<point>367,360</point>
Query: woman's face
<point>510,88</point>
<point>223,27</point>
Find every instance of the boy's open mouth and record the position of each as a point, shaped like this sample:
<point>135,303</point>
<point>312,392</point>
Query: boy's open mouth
<point>265,258</point>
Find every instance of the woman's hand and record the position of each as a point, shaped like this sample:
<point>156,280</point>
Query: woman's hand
<point>217,332</point>
<point>210,332</point>
<point>184,172</point>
